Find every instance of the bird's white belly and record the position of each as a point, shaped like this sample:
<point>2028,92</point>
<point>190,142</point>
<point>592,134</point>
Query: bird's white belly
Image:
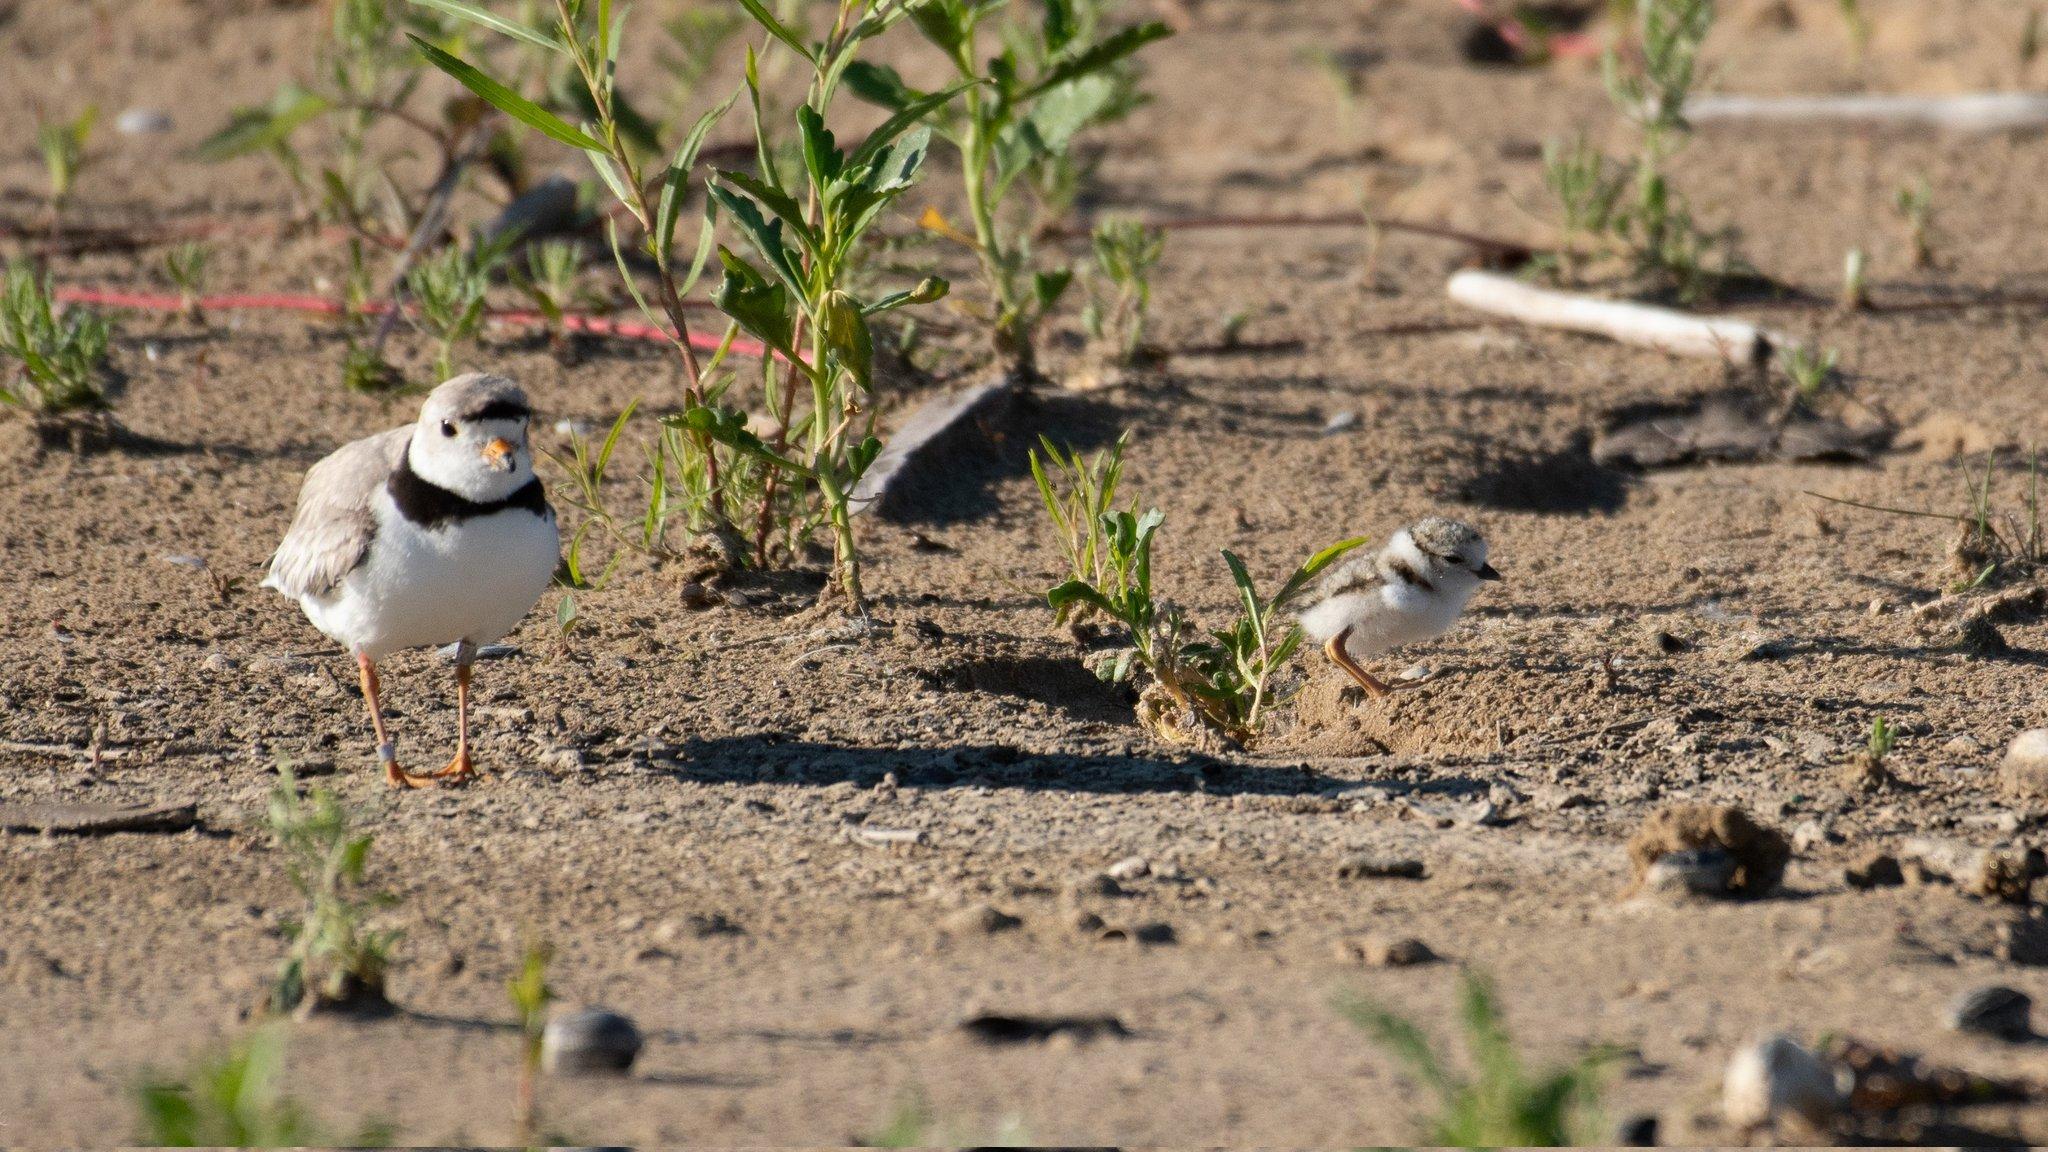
<point>472,580</point>
<point>1391,616</point>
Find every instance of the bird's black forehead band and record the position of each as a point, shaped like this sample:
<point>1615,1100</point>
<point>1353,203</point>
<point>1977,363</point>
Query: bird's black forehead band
<point>499,410</point>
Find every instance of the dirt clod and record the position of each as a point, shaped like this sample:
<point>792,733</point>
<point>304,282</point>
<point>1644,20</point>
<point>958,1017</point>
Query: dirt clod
<point>1758,854</point>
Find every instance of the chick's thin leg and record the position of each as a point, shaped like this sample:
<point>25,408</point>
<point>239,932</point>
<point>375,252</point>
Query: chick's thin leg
<point>1373,685</point>
<point>460,770</point>
<point>386,751</point>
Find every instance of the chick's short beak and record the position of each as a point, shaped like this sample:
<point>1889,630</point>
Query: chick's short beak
<point>1487,572</point>
<point>499,453</point>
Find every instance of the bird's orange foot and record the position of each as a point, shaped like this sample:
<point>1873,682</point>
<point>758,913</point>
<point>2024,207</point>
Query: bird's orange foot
<point>459,771</point>
<point>399,778</point>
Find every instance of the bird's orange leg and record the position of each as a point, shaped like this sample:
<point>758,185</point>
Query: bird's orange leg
<point>386,750</point>
<point>1373,685</point>
<point>459,770</point>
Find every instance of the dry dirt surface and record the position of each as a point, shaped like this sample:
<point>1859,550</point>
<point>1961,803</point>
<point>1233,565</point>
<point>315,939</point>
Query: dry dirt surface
<point>684,801</point>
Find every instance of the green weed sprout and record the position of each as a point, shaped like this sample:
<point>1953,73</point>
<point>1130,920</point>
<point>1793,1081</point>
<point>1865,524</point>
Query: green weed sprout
<point>549,280</point>
<point>449,290</point>
<point>1024,106</point>
<point>1859,29</point>
<point>1656,224</point>
<point>1810,370</point>
<point>335,957</point>
<point>1079,495</point>
<point>1882,736</point>
<point>1588,188</point>
<point>1126,251</point>
<point>1915,205</point>
<point>62,144</point>
<point>233,1099</point>
<point>531,995</point>
<point>1502,1103</point>
<point>57,359</point>
<point>186,266</point>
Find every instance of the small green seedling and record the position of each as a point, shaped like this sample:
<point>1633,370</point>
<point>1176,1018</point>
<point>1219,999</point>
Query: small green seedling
<point>56,357</point>
<point>531,995</point>
<point>234,1099</point>
<point>1882,736</point>
<point>2030,39</point>
<point>1588,188</point>
<point>1126,251</point>
<point>62,144</point>
<point>1915,205</point>
<point>1079,495</point>
<point>1502,1102</point>
<point>186,266</point>
<point>1810,370</point>
<point>1859,29</point>
<point>549,280</point>
<point>449,290</point>
<point>336,958</point>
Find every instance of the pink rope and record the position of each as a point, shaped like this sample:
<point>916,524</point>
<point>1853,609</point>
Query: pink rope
<point>1565,45</point>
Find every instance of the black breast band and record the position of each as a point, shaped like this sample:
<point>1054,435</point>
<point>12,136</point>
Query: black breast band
<point>429,505</point>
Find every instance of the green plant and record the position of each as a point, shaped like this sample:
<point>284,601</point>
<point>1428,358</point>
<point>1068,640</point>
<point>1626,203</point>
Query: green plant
<point>1023,108</point>
<point>232,1098</point>
<point>1224,681</point>
<point>1915,205</point>
<point>1079,495</point>
<point>531,995</point>
<point>1126,251</point>
<point>1882,734</point>
<point>449,289</point>
<point>806,225</point>
<point>62,144</point>
<point>57,358</point>
<point>2030,39</point>
<point>1587,187</point>
<point>1809,369</point>
<point>1656,224</point>
<point>549,279</point>
<point>335,957</point>
<point>186,266</point>
<point>1501,1103</point>
<point>912,1125</point>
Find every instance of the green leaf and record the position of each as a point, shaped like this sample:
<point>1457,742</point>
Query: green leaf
<point>676,180</point>
<point>1077,592</point>
<point>1313,567</point>
<point>880,84</point>
<point>1047,287</point>
<point>777,28</point>
<point>904,118</point>
<point>1245,591</point>
<point>754,303</point>
<point>928,290</point>
<point>729,428</point>
<point>495,22</point>
<point>822,158</point>
<point>763,233</point>
<point>506,100</point>
<point>252,130</point>
<point>1097,56</point>
<point>847,337</point>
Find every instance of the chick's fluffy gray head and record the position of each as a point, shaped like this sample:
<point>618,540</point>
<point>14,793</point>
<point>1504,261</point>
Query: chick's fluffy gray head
<point>471,437</point>
<point>1446,548</point>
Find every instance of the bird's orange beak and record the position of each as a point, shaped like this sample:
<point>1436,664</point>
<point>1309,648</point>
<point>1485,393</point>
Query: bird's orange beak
<point>499,453</point>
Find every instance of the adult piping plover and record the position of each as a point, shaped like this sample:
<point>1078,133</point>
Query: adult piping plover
<point>437,533</point>
<point>1410,591</point>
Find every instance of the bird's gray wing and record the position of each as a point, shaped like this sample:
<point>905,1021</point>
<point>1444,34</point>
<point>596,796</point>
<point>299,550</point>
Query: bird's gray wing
<point>1355,573</point>
<point>332,531</point>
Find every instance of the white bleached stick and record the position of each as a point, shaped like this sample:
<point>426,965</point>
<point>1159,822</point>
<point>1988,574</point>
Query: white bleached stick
<point>1969,112</point>
<point>1667,330</point>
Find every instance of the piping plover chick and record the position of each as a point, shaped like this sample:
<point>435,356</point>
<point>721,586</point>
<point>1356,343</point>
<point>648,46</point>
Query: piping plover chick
<point>1410,591</point>
<point>437,533</point>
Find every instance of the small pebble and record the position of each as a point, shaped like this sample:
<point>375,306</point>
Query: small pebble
<point>1340,422</point>
<point>1880,870</point>
<point>142,122</point>
<point>1402,953</point>
<point>1129,868</point>
<point>1693,872</point>
<point>1095,884</point>
<point>2024,771</point>
<point>1364,866</point>
<point>2006,1013</point>
<point>1776,1078</point>
<point>981,920</point>
<point>590,1042</point>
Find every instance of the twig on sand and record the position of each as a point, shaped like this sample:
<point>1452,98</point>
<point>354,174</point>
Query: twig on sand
<point>1679,333</point>
<point>1968,112</point>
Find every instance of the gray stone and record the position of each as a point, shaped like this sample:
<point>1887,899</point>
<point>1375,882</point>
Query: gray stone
<point>2024,771</point>
<point>143,122</point>
<point>1996,1010</point>
<point>589,1042</point>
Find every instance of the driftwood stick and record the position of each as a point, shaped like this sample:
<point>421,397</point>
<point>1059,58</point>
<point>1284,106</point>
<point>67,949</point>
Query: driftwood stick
<point>1970,112</point>
<point>1679,333</point>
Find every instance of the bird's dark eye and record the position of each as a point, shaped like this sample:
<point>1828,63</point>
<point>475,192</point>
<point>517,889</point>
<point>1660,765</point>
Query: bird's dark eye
<point>447,429</point>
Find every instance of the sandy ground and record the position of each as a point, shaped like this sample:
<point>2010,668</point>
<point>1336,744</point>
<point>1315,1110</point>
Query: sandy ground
<point>728,756</point>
